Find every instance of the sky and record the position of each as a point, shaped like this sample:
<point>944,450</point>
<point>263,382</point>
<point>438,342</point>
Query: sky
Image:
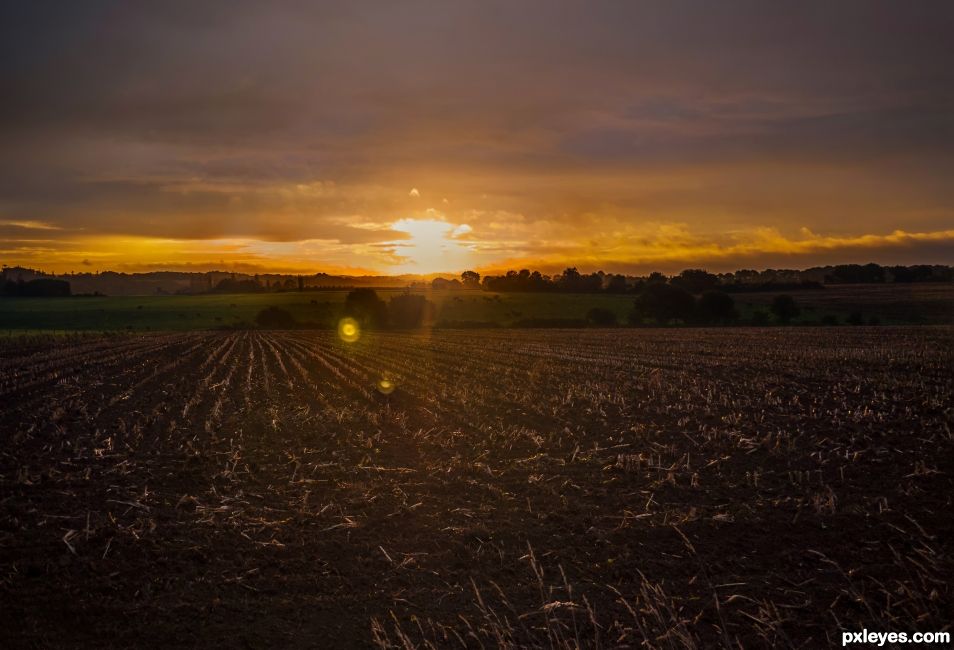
<point>437,136</point>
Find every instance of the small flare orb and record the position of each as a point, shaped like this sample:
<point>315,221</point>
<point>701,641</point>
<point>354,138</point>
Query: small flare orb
<point>386,386</point>
<point>348,330</point>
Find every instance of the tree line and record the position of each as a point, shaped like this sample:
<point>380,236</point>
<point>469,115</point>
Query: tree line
<point>404,311</point>
<point>39,288</point>
<point>697,281</point>
<point>663,304</point>
<point>658,304</point>
<point>694,281</point>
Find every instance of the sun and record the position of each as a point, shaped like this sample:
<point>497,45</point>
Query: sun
<point>432,246</point>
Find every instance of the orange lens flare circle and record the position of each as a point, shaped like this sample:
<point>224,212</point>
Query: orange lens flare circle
<point>386,386</point>
<point>348,330</point>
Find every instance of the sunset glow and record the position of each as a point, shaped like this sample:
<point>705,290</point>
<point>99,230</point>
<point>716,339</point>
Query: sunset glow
<point>476,323</point>
<point>432,246</point>
<point>623,137</point>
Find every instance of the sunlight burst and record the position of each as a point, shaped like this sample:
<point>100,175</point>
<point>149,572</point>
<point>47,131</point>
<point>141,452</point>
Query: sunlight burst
<point>432,246</point>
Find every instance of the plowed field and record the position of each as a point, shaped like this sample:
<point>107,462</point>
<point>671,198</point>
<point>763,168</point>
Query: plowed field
<point>620,488</point>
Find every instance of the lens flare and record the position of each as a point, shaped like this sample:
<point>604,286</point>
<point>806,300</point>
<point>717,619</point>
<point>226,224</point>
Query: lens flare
<point>386,386</point>
<point>349,330</point>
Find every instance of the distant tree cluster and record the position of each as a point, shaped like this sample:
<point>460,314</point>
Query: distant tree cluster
<point>570,281</point>
<point>276,318</point>
<point>367,308</point>
<point>409,311</point>
<point>663,303</point>
<point>695,281</point>
<point>839,274</point>
<point>442,284</point>
<point>698,281</point>
<point>230,285</point>
<point>40,288</point>
<point>601,317</point>
<point>405,311</point>
<point>258,285</point>
<point>920,273</point>
<point>874,273</point>
<point>784,308</point>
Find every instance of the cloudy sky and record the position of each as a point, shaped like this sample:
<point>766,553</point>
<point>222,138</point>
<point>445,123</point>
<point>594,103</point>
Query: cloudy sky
<point>440,135</point>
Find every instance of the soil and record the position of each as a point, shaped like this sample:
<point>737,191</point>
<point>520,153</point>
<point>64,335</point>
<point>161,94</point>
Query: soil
<point>612,488</point>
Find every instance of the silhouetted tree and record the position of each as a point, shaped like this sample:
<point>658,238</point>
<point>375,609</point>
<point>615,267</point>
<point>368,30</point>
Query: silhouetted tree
<point>539,282</point>
<point>784,308</point>
<point>470,279</point>
<point>275,318</point>
<point>616,284</point>
<point>856,273</point>
<point>663,303</point>
<point>716,307</point>
<point>760,318</point>
<point>601,317</point>
<point>570,279</point>
<point>410,311</point>
<point>695,281</point>
<point>921,273</point>
<point>525,280</point>
<point>367,308</point>
<point>231,285</point>
<point>39,288</point>
<point>656,278</point>
<point>442,284</point>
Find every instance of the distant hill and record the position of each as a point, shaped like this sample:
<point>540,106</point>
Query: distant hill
<point>112,283</point>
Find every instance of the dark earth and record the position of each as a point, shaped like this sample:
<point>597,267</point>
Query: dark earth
<point>673,488</point>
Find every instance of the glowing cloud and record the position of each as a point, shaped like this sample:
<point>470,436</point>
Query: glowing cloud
<point>29,224</point>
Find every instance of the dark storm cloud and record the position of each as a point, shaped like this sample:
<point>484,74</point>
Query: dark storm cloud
<point>199,120</point>
<point>229,73</point>
<point>925,131</point>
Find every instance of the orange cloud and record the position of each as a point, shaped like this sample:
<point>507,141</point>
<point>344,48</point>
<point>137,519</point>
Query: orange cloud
<point>673,245</point>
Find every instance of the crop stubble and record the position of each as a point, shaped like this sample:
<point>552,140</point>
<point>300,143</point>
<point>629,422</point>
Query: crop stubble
<point>686,488</point>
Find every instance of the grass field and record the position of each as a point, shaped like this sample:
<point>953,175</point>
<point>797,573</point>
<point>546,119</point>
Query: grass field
<point>928,302</point>
<point>651,488</point>
<point>184,313</point>
<point>891,304</point>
